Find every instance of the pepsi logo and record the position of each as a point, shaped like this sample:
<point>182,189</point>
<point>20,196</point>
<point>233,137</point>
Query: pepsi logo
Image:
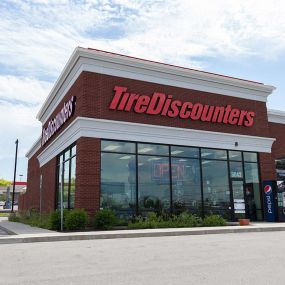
<point>267,189</point>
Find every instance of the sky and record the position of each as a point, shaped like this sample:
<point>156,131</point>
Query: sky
<point>243,39</point>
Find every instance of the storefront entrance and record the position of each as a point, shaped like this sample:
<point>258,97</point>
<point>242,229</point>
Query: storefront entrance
<point>238,200</point>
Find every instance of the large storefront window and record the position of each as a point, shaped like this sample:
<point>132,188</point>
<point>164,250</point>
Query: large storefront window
<point>216,188</point>
<point>66,172</point>
<point>186,185</point>
<point>153,183</point>
<point>118,183</point>
<point>140,177</point>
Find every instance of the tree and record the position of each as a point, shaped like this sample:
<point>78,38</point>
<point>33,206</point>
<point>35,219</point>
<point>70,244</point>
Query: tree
<point>4,182</point>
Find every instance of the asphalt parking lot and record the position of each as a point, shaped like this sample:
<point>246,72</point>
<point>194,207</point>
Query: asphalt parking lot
<point>242,258</point>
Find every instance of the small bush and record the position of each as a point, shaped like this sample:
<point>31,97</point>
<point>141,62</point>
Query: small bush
<point>186,220</point>
<point>55,219</point>
<point>165,221</point>
<point>76,220</point>
<point>13,218</point>
<point>105,220</point>
<point>214,221</point>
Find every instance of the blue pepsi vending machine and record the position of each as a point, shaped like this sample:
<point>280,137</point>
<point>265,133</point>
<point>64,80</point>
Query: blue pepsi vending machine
<point>269,195</point>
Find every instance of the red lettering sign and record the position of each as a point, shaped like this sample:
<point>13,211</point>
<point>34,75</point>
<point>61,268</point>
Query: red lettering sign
<point>165,105</point>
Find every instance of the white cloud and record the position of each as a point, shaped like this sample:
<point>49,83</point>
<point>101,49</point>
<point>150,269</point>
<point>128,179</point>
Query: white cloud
<point>20,100</point>
<point>27,90</point>
<point>38,36</point>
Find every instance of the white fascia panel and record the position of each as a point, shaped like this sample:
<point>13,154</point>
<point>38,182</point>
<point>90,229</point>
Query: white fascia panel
<point>104,63</point>
<point>109,129</point>
<point>35,147</point>
<point>276,116</point>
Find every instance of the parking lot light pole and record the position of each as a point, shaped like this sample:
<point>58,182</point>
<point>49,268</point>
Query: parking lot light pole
<point>15,170</point>
<point>61,197</point>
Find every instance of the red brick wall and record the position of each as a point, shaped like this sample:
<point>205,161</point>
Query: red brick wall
<point>94,93</point>
<point>99,93</point>
<point>278,132</point>
<point>88,167</point>
<point>48,172</point>
<point>31,199</point>
<point>267,166</point>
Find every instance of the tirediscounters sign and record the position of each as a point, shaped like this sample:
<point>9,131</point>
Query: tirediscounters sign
<point>269,209</point>
<point>59,120</point>
<point>166,105</point>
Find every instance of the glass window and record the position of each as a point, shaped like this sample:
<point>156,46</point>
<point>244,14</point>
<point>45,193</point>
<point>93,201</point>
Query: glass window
<point>216,188</point>
<point>251,172</point>
<point>236,169</point>
<point>181,151</point>
<point>186,185</point>
<point>235,155</point>
<point>153,183</point>
<point>117,146</point>
<point>67,154</point>
<point>72,182</point>
<point>66,184</point>
<point>280,168</point>
<point>250,156</point>
<point>139,182</point>
<point>157,149</point>
<point>69,178</point>
<point>207,153</point>
<point>118,183</point>
<point>73,151</point>
<point>252,191</point>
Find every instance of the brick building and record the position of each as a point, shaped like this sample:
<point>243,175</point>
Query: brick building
<point>135,136</point>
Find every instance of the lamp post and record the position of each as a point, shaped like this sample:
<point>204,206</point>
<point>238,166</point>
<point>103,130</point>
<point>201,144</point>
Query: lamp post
<point>15,170</point>
<point>61,196</point>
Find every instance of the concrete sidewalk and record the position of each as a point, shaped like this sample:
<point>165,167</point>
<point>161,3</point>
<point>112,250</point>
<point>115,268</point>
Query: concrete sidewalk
<point>26,234</point>
<point>18,228</point>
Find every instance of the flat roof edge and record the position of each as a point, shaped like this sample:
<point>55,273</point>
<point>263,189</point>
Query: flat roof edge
<point>276,116</point>
<point>34,148</point>
<point>151,65</point>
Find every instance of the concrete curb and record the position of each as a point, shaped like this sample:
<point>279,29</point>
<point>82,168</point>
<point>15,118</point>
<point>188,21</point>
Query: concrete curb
<point>112,235</point>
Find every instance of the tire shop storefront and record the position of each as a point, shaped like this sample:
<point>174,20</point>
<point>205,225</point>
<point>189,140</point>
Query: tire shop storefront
<point>136,136</point>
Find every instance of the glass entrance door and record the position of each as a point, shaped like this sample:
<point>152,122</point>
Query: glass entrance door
<point>239,210</point>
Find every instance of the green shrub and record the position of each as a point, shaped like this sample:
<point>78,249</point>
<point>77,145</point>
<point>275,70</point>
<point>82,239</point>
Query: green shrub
<point>165,220</point>
<point>104,219</point>
<point>14,218</point>
<point>186,220</point>
<point>214,221</point>
<point>55,219</point>
<point>76,220</point>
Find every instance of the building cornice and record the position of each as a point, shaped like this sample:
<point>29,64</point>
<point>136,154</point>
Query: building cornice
<point>276,116</point>
<point>35,147</point>
<point>123,66</point>
<point>119,130</point>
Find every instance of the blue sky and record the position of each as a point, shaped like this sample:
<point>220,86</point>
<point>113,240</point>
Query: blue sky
<point>237,38</point>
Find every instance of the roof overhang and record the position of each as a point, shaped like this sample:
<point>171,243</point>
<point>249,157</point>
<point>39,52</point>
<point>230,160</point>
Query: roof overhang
<point>276,116</point>
<point>83,59</point>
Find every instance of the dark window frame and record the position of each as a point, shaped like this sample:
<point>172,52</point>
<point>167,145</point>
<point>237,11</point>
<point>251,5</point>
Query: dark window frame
<point>199,158</point>
<point>58,176</point>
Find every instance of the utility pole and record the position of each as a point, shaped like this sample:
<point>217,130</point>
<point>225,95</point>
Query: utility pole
<point>15,170</point>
